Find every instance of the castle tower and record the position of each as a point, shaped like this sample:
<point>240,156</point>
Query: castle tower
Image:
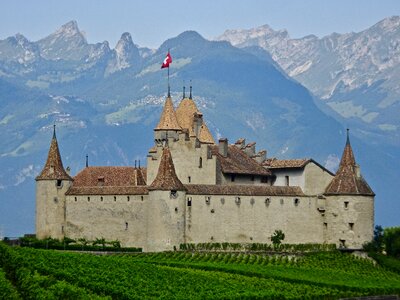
<point>166,208</point>
<point>51,186</point>
<point>189,117</point>
<point>168,126</point>
<point>350,204</point>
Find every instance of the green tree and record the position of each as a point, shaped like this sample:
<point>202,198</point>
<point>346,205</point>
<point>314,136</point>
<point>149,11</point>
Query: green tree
<point>277,237</point>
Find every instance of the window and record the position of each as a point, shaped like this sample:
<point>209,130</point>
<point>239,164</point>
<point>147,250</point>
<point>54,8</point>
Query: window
<point>189,201</point>
<point>252,201</point>
<point>208,200</point>
<point>346,204</point>
<point>222,200</point>
<point>59,183</point>
<point>325,225</point>
<point>141,198</point>
<point>267,201</point>
<point>101,198</point>
<point>88,199</point>
<point>281,201</point>
<point>296,201</point>
<point>342,243</point>
<point>55,200</point>
<point>62,228</point>
<point>76,199</point>
<point>173,194</point>
<point>176,209</point>
<point>128,198</point>
<point>351,226</point>
<point>189,179</point>
<point>115,198</point>
<point>100,180</point>
<point>212,211</point>
<point>237,200</point>
<point>200,162</point>
<point>126,225</point>
<point>287,180</point>
<point>233,177</point>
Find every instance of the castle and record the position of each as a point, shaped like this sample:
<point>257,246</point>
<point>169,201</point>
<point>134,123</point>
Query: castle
<point>195,190</point>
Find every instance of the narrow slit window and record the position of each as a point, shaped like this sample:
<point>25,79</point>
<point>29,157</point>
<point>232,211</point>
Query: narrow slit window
<point>346,204</point>
<point>189,179</point>
<point>126,225</point>
<point>189,201</point>
<point>200,162</point>
<point>351,226</point>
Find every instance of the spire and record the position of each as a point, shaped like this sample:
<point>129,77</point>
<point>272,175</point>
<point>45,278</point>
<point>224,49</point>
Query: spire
<point>168,119</point>
<point>166,179</point>
<point>53,169</point>
<point>87,161</point>
<point>190,94</point>
<point>185,113</point>
<point>183,94</point>
<point>348,180</point>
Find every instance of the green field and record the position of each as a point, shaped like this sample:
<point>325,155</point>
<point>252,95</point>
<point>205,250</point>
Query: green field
<point>48,274</point>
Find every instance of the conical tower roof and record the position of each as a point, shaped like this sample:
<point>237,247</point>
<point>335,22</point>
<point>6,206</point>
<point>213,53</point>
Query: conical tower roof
<point>347,181</point>
<point>166,179</point>
<point>53,169</point>
<point>168,119</point>
<point>185,113</point>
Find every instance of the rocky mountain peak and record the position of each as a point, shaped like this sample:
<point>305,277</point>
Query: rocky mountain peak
<point>125,44</point>
<point>69,29</point>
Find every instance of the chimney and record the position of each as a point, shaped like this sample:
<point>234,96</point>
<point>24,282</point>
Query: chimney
<point>197,122</point>
<point>357,171</point>
<point>261,156</point>
<point>240,143</point>
<point>223,147</point>
<point>250,149</point>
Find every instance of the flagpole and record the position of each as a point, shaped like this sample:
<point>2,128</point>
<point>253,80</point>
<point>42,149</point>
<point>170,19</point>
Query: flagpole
<point>169,88</point>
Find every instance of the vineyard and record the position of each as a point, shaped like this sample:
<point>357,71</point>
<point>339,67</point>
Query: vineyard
<point>27,273</point>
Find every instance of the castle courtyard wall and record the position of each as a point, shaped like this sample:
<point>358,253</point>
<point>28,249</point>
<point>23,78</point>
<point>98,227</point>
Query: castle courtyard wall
<point>103,216</point>
<point>252,219</point>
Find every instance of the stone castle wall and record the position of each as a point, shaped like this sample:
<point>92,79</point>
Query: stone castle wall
<point>50,208</point>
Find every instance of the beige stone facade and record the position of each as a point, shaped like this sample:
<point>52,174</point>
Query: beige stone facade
<point>194,190</point>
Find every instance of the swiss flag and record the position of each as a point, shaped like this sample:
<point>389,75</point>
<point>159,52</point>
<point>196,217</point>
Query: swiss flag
<point>167,61</point>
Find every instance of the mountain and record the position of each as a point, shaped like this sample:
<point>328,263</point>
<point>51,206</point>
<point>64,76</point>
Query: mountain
<point>355,75</point>
<point>107,104</point>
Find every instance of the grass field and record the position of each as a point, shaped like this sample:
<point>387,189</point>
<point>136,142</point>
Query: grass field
<point>48,274</point>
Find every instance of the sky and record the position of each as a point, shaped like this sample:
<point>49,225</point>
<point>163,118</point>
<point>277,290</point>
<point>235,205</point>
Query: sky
<point>152,22</point>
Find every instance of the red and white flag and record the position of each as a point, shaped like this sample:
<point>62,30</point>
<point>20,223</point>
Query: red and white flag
<point>167,61</point>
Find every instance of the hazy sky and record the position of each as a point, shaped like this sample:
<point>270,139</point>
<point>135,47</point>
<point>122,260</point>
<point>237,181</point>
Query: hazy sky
<point>152,22</point>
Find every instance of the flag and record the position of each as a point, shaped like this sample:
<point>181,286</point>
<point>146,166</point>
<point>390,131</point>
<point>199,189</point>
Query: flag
<point>167,61</point>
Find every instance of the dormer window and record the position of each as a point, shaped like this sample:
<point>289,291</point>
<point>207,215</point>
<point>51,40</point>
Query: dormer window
<point>100,180</point>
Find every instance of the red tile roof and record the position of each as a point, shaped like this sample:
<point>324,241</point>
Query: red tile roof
<point>238,162</point>
<point>53,169</point>
<point>166,178</point>
<point>243,190</point>
<point>109,181</point>
<point>273,163</point>
<point>168,119</point>
<point>346,180</point>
